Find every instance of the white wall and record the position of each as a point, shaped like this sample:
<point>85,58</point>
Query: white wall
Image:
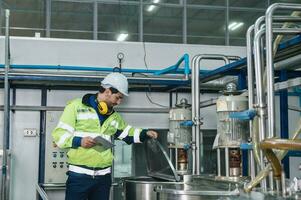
<point>41,51</point>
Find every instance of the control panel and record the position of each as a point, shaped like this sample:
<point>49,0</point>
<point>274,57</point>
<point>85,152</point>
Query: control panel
<point>55,158</point>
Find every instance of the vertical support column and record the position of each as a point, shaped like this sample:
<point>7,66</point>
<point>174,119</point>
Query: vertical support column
<point>42,144</point>
<point>140,21</point>
<point>227,35</point>
<point>4,192</point>
<point>242,84</point>
<point>95,20</point>
<point>1,14</point>
<point>48,17</point>
<point>184,22</point>
<point>284,119</point>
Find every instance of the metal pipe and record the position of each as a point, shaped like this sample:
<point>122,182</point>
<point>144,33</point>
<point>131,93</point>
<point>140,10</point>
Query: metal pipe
<point>193,104</point>
<point>219,162</point>
<point>283,185</point>
<point>269,62</point>
<point>41,192</point>
<point>195,88</point>
<point>197,117</point>
<point>283,144</point>
<point>260,95</point>
<point>271,180</point>
<point>250,69</point>
<point>290,63</point>
<point>4,177</point>
<point>227,161</point>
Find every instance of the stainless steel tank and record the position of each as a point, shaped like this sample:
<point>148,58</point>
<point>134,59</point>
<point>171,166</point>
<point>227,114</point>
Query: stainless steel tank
<point>142,188</point>
<point>145,188</point>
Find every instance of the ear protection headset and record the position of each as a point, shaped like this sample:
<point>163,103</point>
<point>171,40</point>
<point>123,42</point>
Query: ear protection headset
<point>102,107</point>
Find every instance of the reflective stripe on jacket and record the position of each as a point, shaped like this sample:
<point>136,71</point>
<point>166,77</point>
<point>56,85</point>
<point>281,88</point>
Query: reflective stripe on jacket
<point>79,120</point>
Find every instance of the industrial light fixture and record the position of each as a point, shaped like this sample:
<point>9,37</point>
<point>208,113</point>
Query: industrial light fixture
<point>152,7</point>
<point>235,25</point>
<point>122,37</point>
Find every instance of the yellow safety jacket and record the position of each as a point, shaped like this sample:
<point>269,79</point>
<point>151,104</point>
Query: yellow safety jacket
<point>80,119</point>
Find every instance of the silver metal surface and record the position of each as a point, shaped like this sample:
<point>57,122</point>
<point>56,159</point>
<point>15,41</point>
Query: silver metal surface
<point>219,173</point>
<point>227,169</point>
<point>142,188</point>
<point>41,192</point>
<point>271,180</point>
<point>4,192</point>
<point>250,68</point>
<point>158,163</point>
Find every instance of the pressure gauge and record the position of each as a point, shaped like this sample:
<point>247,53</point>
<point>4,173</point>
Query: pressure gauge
<point>120,56</point>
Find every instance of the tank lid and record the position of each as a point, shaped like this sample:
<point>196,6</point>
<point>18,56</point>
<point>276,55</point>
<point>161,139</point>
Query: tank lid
<point>183,104</point>
<point>158,163</point>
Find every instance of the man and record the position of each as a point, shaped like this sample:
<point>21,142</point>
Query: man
<point>89,174</point>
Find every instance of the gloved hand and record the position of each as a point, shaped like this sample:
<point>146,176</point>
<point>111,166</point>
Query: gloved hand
<point>87,142</point>
<point>152,134</point>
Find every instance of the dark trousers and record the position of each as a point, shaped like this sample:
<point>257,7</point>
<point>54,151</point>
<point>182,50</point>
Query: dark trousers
<point>86,187</point>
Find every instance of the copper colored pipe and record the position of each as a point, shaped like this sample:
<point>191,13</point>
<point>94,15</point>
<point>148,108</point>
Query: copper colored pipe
<point>272,158</point>
<point>282,144</point>
<point>273,143</point>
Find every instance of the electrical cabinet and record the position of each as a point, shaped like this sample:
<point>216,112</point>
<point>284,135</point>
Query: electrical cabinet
<point>55,158</point>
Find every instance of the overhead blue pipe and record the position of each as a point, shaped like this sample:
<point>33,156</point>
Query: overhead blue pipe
<point>175,68</point>
<point>77,68</point>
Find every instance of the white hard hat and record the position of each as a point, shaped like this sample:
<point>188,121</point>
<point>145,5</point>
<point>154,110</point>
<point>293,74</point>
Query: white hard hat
<point>117,81</point>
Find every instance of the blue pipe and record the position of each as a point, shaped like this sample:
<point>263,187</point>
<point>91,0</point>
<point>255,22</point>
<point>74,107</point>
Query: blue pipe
<point>175,68</point>
<point>76,68</point>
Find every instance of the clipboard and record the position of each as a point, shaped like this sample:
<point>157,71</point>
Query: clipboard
<point>105,144</point>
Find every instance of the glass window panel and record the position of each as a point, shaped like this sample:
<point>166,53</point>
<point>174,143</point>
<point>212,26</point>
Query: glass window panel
<point>163,38</point>
<point>28,13</point>
<point>72,16</point>
<point>249,4</point>
<point>27,19</point>
<point>24,4</point>
<point>122,159</point>
<point>162,24</point>
<point>207,2</point>
<point>71,34</point>
<point>115,19</point>
<point>205,26</point>
<point>238,34</point>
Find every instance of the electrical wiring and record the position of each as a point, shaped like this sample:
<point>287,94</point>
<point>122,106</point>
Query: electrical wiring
<point>147,93</point>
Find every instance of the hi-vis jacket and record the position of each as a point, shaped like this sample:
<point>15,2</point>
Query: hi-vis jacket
<point>80,119</point>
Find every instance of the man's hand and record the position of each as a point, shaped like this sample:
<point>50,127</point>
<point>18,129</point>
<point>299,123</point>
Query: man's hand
<point>152,134</point>
<point>87,142</point>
